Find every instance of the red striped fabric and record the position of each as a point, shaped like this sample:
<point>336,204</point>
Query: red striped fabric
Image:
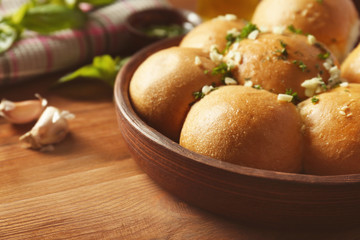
<point>35,54</point>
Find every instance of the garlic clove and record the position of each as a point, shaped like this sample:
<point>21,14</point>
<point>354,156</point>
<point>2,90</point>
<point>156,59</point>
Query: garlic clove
<point>51,128</point>
<point>24,111</point>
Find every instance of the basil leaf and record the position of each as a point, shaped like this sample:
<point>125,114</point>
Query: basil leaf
<point>97,2</point>
<point>19,15</point>
<point>104,68</point>
<point>49,18</point>
<point>45,2</point>
<point>8,35</point>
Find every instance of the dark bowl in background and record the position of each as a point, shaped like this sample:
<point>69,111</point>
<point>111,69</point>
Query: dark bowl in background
<point>140,20</point>
<point>250,195</point>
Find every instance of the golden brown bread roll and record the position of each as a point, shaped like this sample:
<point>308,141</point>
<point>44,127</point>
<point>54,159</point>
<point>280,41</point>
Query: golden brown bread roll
<point>161,89</point>
<point>212,32</point>
<point>333,22</point>
<point>350,68</point>
<point>280,62</point>
<point>332,132</point>
<point>245,126</point>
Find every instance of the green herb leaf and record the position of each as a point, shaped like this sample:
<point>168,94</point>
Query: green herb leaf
<point>8,35</point>
<point>98,2</point>
<point>315,100</point>
<point>257,86</point>
<point>198,95</point>
<point>283,44</point>
<point>300,64</point>
<point>244,33</point>
<point>320,1</point>
<point>324,56</point>
<point>44,17</point>
<point>282,53</point>
<point>19,15</point>
<point>247,30</point>
<point>223,70</point>
<point>295,95</point>
<point>294,30</point>
<point>104,68</point>
<point>49,18</point>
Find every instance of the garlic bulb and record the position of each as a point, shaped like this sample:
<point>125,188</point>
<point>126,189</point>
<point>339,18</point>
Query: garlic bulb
<point>24,111</point>
<point>51,128</point>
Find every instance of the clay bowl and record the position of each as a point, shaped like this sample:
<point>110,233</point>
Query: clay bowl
<point>242,193</point>
<point>136,22</point>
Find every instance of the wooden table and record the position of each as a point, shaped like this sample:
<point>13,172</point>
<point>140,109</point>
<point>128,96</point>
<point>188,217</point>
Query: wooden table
<point>89,187</point>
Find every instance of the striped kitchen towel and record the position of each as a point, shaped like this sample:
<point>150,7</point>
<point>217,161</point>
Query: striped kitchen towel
<point>35,54</point>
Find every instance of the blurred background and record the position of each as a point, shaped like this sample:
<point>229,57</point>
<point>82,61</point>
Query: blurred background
<point>212,8</point>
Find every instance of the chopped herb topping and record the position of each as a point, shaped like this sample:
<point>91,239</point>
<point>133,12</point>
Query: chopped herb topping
<point>315,100</point>
<point>198,95</point>
<point>224,70</point>
<point>244,33</point>
<point>206,71</point>
<point>247,30</point>
<point>299,53</point>
<point>282,53</point>
<point>283,44</point>
<point>324,56</point>
<point>301,65</point>
<point>324,53</point>
<point>324,86</point>
<point>294,30</point>
<point>257,86</point>
<point>295,96</point>
<point>321,72</point>
<point>320,1</point>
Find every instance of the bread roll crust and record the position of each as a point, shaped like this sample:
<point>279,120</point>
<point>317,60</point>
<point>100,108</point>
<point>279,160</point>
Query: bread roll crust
<point>332,132</point>
<point>350,68</point>
<point>212,32</point>
<point>264,65</point>
<point>334,23</point>
<point>245,126</point>
<point>161,89</point>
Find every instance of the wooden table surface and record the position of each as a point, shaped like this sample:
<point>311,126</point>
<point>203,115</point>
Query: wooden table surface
<point>89,187</point>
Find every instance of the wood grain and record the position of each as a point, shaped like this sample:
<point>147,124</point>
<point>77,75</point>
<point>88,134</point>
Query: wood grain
<point>91,188</point>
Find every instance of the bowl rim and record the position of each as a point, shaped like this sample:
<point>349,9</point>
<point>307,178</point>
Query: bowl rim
<point>123,104</point>
<point>183,15</point>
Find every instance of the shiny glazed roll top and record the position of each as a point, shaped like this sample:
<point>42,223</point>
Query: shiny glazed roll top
<point>162,88</point>
<point>335,23</point>
<point>245,126</point>
<point>332,131</point>
<point>284,62</point>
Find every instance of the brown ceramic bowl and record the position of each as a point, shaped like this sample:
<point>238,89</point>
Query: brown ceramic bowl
<point>247,194</point>
<point>136,22</point>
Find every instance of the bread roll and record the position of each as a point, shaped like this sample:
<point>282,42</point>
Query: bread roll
<point>350,68</point>
<point>333,22</point>
<point>245,126</point>
<point>161,89</point>
<point>277,62</point>
<point>212,32</point>
<point>332,132</point>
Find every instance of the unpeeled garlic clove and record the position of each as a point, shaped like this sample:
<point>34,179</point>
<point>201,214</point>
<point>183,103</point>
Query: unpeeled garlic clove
<point>24,111</point>
<point>51,128</point>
